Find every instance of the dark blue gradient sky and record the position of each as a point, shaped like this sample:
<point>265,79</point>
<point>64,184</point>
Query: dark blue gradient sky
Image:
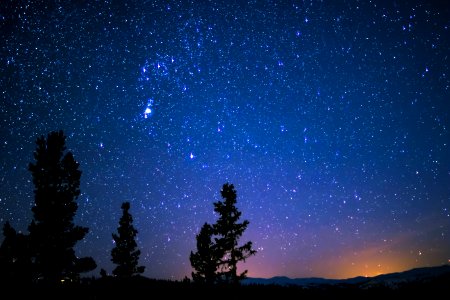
<point>330,117</point>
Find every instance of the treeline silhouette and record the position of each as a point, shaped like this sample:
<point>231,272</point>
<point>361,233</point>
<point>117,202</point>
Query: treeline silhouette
<point>46,256</point>
<point>43,264</point>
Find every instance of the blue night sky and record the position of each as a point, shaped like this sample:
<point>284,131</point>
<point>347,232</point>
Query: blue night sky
<point>331,118</point>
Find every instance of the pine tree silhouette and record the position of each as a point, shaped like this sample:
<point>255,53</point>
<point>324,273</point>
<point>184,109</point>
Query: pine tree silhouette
<point>205,260</point>
<point>53,235</point>
<point>218,252</point>
<point>228,232</point>
<point>124,254</point>
<point>15,257</point>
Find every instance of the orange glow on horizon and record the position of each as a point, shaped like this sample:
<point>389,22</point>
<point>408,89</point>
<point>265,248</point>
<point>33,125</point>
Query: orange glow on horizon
<point>373,261</point>
<point>345,267</point>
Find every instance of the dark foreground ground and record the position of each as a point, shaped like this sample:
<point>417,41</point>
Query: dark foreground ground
<point>144,288</point>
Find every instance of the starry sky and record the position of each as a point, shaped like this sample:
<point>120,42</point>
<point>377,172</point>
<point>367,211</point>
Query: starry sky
<point>331,118</point>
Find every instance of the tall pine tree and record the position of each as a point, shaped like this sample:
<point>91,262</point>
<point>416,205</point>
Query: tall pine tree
<point>228,232</point>
<point>124,254</point>
<point>205,260</point>
<point>218,252</point>
<point>53,235</point>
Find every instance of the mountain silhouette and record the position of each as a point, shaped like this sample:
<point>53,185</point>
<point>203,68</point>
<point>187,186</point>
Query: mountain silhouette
<point>389,280</point>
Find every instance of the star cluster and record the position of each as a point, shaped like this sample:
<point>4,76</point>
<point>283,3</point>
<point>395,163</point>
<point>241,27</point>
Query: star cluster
<point>330,117</point>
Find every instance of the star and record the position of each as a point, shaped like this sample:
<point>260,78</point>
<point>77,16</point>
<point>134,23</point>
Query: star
<point>147,112</point>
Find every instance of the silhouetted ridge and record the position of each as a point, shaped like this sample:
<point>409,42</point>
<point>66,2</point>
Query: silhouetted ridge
<point>391,279</point>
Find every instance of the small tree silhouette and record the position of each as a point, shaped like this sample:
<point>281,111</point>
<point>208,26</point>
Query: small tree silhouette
<point>205,260</point>
<point>124,254</point>
<point>223,253</point>
<point>103,273</point>
<point>53,235</point>
<point>15,257</point>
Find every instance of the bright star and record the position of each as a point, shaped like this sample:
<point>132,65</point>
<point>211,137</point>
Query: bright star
<point>147,112</point>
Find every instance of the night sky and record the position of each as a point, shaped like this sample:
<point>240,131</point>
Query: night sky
<point>331,118</point>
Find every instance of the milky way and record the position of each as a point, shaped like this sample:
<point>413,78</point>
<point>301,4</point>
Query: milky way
<point>330,118</point>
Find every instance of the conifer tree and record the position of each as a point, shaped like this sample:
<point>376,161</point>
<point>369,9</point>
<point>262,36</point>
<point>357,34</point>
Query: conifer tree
<point>218,252</point>
<point>124,254</point>
<point>229,231</point>
<point>53,235</point>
